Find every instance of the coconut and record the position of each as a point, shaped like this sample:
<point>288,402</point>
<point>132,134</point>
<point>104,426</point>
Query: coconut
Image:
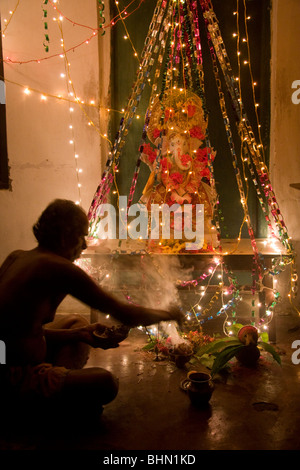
<point>248,335</point>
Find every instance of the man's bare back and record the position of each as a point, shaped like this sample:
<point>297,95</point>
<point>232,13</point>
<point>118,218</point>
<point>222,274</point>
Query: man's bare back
<point>32,285</point>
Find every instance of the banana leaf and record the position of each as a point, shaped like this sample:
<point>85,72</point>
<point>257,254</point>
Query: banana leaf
<point>235,328</point>
<point>205,360</point>
<point>264,337</point>
<point>149,346</point>
<point>224,356</point>
<point>216,346</point>
<point>267,347</point>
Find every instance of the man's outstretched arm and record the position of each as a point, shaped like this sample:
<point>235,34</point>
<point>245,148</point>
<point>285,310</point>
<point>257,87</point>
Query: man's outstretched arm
<point>81,286</point>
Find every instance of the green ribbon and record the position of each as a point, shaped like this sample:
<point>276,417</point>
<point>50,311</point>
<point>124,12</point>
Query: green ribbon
<point>101,15</point>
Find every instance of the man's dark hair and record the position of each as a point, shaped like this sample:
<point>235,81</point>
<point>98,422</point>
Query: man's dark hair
<point>60,221</point>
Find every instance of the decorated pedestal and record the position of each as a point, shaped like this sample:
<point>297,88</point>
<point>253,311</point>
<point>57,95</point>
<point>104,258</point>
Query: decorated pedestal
<point>214,291</point>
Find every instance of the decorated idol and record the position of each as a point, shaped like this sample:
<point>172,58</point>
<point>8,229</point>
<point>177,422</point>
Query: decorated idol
<point>178,158</point>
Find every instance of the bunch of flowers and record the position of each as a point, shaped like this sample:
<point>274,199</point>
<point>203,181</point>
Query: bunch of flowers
<point>197,339</point>
<point>148,150</point>
<point>191,342</point>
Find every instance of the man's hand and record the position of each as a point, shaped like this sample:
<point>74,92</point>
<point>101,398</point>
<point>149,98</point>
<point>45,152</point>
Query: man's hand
<point>100,336</point>
<point>176,314</point>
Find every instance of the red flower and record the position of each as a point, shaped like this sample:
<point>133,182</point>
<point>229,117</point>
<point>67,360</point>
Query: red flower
<point>156,133</point>
<point>151,154</point>
<point>196,132</point>
<point>191,109</point>
<point>169,113</point>
<point>165,164</point>
<point>202,154</point>
<point>205,173</point>
<point>176,177</point>
<point>185,159</point>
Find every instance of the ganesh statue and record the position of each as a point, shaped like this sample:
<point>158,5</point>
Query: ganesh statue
<point>180,162</point>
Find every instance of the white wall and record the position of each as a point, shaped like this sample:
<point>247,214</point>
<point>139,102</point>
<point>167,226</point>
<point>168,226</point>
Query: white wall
<point>285,118</point>
<point>41,159</point>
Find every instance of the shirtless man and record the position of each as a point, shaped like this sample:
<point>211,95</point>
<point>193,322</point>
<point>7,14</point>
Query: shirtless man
<point>32,285</point>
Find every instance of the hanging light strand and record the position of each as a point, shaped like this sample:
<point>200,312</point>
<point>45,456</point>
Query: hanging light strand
<point>7,22</point>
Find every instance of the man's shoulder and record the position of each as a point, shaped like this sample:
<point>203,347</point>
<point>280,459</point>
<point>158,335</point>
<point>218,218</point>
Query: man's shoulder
<point>11,258</point>
<point>52,259</point>
<point>15,254</point>
<point>55,262</point>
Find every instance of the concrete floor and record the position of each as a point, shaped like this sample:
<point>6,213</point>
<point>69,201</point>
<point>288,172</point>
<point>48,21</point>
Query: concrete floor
<point>250,409</point>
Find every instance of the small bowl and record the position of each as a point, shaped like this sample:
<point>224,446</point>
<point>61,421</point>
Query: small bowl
<point>180,359</point>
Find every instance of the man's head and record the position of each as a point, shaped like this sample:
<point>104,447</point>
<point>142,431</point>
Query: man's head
<point>62,228</point>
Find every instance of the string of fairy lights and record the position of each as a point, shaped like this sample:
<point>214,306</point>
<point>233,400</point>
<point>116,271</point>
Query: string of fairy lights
<point>198,311</point>
<point>103,188</point>
<point>72,99</point>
